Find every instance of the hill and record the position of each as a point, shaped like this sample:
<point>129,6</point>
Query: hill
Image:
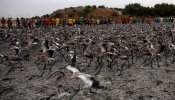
<point>87,11</point>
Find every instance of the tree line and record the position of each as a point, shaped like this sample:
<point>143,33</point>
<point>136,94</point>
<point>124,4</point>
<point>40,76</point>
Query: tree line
<point>162,10</point>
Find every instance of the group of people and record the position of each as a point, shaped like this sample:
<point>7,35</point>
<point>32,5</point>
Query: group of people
<point>9,22</point>
<point>34,22</point>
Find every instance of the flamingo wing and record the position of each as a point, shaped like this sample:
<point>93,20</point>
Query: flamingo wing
<point>72,69</point>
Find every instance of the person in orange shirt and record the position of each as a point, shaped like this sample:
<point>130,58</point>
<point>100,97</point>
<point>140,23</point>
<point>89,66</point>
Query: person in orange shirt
<point>45,22</point>
<point>148,20</point>
<point>53,22</point>
<point>130,19</point>
<point>32,22</point>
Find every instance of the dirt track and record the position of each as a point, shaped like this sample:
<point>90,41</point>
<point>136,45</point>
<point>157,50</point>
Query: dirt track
<point>135,83</point>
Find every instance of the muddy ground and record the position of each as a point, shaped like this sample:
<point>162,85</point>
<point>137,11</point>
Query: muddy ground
<point>135,83</point>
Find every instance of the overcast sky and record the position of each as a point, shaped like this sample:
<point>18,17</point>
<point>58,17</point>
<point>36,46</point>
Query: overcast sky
<point>29,8</point>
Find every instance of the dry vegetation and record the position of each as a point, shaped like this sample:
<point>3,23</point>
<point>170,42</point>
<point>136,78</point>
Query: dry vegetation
<point>86,12</point>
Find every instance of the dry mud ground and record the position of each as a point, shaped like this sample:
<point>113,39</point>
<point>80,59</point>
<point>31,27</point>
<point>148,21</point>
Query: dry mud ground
<point>135,83</point>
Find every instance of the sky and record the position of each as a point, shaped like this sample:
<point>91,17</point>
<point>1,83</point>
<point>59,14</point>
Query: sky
<point>30,8</point>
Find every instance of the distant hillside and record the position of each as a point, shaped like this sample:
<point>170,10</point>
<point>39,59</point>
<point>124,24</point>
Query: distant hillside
<point>87,11</point>
<point>135,9</point>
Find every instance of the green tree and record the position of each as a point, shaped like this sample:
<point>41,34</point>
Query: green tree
<point>158,10</point>
<point>101,6</point>
<point>45,16</point>
<point>94,7</point>
<point>164,9</point>
<point>134,9</point>
<point>88,6</point>
<point>36,17</point>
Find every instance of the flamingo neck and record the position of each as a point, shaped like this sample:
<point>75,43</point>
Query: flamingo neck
<point>152,46</point>
<point>102,49</point>
<point>44,48</point>
<point>71,56</point>
<point>30,41</point>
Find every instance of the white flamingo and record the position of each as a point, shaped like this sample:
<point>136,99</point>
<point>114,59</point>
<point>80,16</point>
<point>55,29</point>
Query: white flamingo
<point>89,81</point>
